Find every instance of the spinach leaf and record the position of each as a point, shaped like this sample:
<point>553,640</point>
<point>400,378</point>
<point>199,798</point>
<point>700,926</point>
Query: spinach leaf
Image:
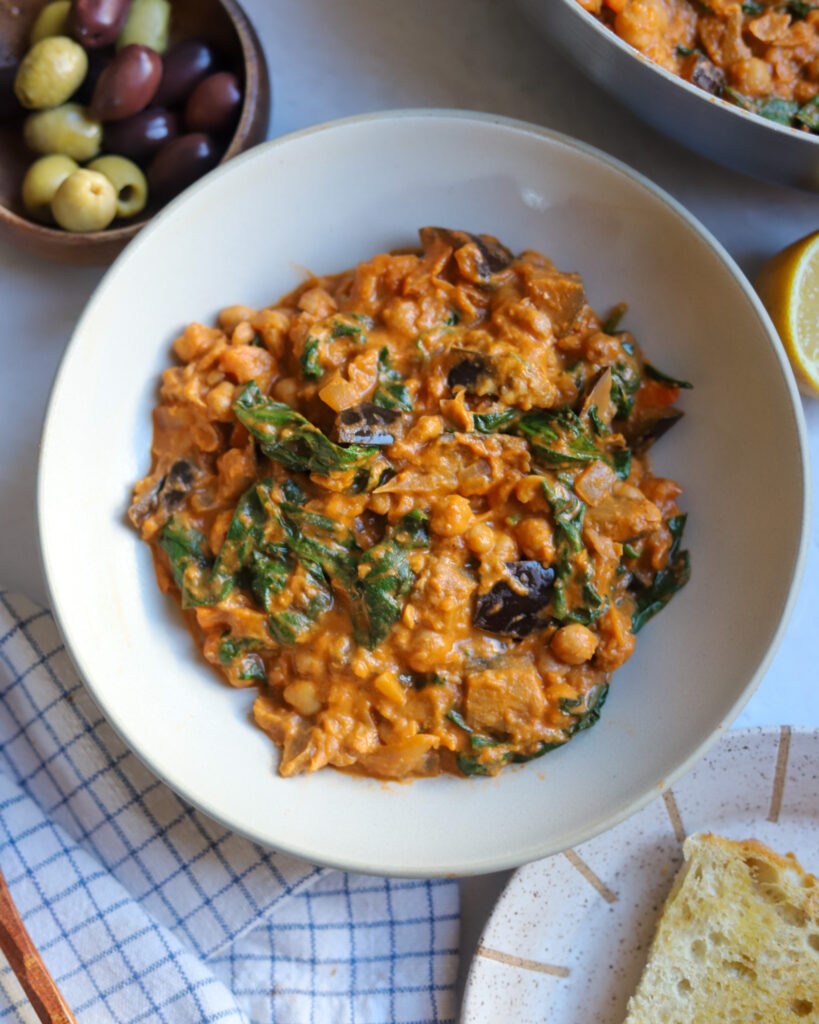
<point>339,326</point>
<point>612,321</point>
<point>295,624</point>
<point>390,391</point>
<point>752,7</point>
<point>240,655</point>
<point>458,719</point>
<point>598,426</point>
<point>244,535</point>
<point>625,381</point>
<point>621,462</point>
<point>595,700</point>
<point>309,358</point>
<point>652,599</point>
<point>384,577</point>
<point>681,51</point>
<point>568,511</point>
<point>558,438</point>
<point>490,422</point>
<point>808,115</point>
<point>780,111</point>
<point>654,374</point>
<point>184,547</point>
<point>319,539</point>
<point>453,319</point>
<point>798,8</point>
<point>268,573</point>
<point>591,605</point>
<point>286,436</point>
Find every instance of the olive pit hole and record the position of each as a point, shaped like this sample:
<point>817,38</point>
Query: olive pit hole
<point>127,193</point>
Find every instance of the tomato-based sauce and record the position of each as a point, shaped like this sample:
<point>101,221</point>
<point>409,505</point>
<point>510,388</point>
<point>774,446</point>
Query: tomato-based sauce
<point>410,504</point>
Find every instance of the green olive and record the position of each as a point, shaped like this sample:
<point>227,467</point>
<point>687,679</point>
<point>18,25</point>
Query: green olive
<point>86,201</point>
<point>41,182</point>
<point>128,181</point>
<point>50,72</point>
<point>51,21</point>
<point>67,129</point>
<point>147,23</point>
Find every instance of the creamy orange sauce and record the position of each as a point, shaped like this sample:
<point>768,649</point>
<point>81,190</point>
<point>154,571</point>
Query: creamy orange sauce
<point>456,595</point>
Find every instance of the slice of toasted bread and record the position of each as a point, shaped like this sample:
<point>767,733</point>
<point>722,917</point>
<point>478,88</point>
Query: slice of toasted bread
<point>737,941</point>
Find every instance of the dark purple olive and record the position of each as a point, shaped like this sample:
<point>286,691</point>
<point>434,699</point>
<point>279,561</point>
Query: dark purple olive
<point>184,68</point>
<point>179,163</point>
<point>95,23</point>
<point>127,85</point>
<point>143,135</point>
<point>214,104</point>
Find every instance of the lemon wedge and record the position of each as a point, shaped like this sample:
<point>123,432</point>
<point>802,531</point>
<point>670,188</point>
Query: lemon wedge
<point>788,285</point>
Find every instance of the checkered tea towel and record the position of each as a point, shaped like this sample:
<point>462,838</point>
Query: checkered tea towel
<point>146,910</point>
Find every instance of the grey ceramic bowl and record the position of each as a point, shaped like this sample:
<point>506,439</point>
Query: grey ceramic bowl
<point>712,126</point>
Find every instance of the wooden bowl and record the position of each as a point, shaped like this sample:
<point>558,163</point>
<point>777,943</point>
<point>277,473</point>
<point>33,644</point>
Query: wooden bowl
<point>222,23</point>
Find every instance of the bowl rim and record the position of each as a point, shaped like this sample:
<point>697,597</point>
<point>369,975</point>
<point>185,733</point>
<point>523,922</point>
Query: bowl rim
<point>493,862</point>
<point>810,138</point>
<point>123,233</point>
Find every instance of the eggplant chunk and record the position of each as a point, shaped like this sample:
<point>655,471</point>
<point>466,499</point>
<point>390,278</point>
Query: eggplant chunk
<point>494,257</point>
<point>517,611</point>
<point>652,430</point>
<point>703,73</point>
<point>562,297</point>
<point>168,492</point>
<point>368,423</point>
<point>474,372</point>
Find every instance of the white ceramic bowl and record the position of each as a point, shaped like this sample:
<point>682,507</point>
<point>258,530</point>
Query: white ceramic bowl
<point>711,126</point>
<point>325,198</point>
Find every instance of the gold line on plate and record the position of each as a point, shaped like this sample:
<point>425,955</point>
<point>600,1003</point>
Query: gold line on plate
<point>674,814</point>
<point>519,961</point>
<point>781,774</point>
<point>580,865</point>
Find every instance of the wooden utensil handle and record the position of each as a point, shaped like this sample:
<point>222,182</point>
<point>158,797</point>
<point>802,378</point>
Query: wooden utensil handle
<point>28,965</point>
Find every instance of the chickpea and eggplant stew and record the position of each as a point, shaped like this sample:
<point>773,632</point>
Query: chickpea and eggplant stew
<point>411,504</point>
<point>762,55</point>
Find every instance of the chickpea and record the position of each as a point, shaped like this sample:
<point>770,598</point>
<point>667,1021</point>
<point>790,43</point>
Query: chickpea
<point>302,696</point>
<point>573,644</point>
<point>451,517</point>
<point>232,316</point>
<point>536,539</point>
<point>286,390</point>
<point>430,651</point>
<point>642,23</point>
<point>751,76</point>
<point>480,538</point>
<point>220,401</point>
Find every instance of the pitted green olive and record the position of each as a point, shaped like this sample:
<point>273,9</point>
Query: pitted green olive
<point>51,21</point>
<point>67,129</point>
<point>50,72</point>
<point>41,182</point>
<point>86,201</point>
<point>128,181</point>
<point>147,23</point>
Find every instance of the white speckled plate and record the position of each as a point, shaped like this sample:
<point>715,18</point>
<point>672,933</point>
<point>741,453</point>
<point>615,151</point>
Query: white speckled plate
<point>568,939</point>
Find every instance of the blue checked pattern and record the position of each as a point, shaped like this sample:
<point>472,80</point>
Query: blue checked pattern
<point>146,910</point>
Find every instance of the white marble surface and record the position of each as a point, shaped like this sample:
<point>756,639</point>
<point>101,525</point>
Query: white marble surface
<point>329,59</point>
